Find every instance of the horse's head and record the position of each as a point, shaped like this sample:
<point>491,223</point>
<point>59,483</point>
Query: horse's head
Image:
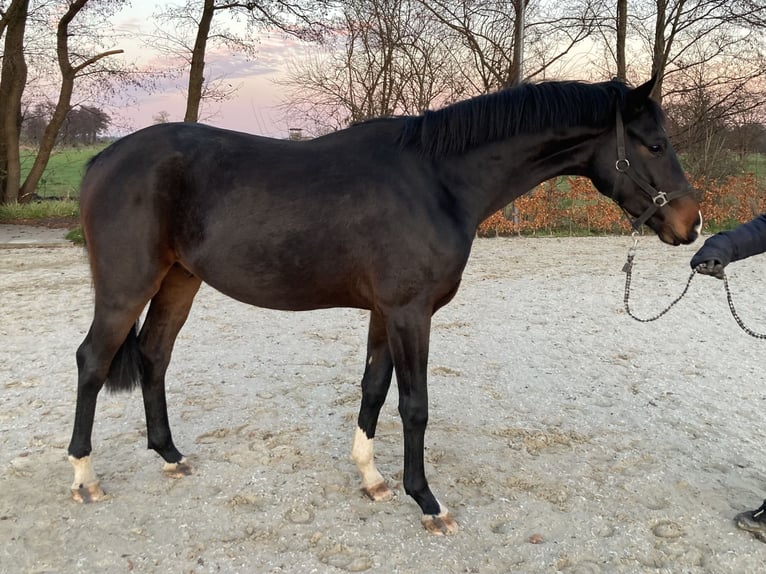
<point>639,170</point>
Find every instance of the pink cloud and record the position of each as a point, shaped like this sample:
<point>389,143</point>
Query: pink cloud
<point>253,108</point>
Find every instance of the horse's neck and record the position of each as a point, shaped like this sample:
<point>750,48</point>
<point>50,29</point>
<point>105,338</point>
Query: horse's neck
<point>493,175</point>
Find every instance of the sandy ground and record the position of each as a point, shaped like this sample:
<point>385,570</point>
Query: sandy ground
<point>617,446</point>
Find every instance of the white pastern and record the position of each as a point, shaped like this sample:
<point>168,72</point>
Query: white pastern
<point>440,524</point>
<point>362,455</point>
<point>174,466</point>
<point>83,472</point>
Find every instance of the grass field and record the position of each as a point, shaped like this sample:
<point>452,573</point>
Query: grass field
<point>756,164</point>
<point>61,179</point>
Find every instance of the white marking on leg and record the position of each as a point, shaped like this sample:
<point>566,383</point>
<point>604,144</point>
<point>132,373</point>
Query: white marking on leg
<point>85,487</point>
<point>443,511</point>
<point>440,524</point>
<point>174,466</point>
<point>178,469</point>
<point>362,455</point>
<point>83,472</point>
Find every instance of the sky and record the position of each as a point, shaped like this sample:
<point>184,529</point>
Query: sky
<point>254,106</point>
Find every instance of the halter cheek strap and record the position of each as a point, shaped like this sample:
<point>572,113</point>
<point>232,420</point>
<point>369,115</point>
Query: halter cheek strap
<point>622,165</point>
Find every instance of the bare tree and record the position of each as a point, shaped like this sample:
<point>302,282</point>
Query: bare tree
<point>710,59</point>
<point>684,34</point>
<point>76,70</point>
<point>161,117</point>
<point>711,105</point>
<point>386,58</point>
<point>490,32</point>
<point>71,68</point>
<point>486,32</point>
<point>12,81</point>
<point>621,38</point>
<point>197,64</point>
<point>299,18</point>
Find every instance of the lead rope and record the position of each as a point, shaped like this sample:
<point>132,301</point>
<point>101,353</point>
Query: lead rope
<point>737,319</point>
<point>628,270</point>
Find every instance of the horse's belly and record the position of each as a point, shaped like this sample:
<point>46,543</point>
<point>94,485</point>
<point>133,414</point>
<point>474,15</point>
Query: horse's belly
<point>288,290</point>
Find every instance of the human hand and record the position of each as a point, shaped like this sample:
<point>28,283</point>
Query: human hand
<point>713,256</point>
<point>713,268</point>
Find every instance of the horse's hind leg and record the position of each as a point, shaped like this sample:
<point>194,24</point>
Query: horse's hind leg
<point>375,384</point>
<point>110,334</point>
<point>167,314</point>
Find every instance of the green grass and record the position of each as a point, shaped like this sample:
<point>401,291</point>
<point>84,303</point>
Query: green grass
<point>39,210</point>
<point>61,179</point>
<point>76,236</point>
<point>755,163</point>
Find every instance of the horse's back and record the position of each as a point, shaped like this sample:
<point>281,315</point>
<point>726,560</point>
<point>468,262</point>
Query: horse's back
<point>221,161</point>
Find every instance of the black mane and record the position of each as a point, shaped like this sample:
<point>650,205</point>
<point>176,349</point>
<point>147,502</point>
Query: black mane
<point>526,108</point>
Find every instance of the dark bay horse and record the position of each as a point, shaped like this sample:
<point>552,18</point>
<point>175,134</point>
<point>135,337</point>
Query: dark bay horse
<point>379,216</point>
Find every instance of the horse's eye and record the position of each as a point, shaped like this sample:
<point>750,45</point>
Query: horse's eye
<point>655,149</point>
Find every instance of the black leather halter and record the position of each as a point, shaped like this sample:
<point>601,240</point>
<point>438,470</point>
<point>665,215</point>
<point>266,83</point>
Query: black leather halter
<point>622,165</point>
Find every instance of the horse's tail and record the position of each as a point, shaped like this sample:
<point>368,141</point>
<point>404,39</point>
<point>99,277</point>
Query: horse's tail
<point>127,369</point>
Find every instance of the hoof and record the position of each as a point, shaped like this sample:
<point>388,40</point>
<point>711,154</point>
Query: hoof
<point>378,492</point>
<point>440,524</point>
<point>86,493</point>
<point>747,521</point>
<point>178,469</point>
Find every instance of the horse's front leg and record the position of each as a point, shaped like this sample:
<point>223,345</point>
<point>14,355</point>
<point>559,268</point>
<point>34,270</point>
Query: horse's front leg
<point>408,336</point>
<point>375,384</point>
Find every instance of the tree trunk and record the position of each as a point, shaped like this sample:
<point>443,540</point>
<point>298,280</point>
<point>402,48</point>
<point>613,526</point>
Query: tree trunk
<point>622,32</point>
<point>519,6</point>
<point>13,79</point>
<point>658,56</point>
<point>197,68</point>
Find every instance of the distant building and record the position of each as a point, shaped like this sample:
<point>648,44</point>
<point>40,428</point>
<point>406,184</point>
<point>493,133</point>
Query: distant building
<point>296,134</point>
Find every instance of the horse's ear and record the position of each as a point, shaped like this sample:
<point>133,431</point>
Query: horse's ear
<point>636,99</point>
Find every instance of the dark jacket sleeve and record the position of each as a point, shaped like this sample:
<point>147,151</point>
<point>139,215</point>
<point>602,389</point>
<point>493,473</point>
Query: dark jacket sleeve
<point>741,242</point>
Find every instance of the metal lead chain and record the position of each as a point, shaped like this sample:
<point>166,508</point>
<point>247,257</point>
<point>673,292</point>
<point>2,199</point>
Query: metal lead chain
<point>734,313</point>
<point>628,269</point>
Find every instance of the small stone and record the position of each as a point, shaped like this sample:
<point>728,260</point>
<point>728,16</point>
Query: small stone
<point>667,529</point>
<point>536,539</point>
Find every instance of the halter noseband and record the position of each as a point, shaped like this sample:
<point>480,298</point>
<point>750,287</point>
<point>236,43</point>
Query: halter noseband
<point>622,165</point>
